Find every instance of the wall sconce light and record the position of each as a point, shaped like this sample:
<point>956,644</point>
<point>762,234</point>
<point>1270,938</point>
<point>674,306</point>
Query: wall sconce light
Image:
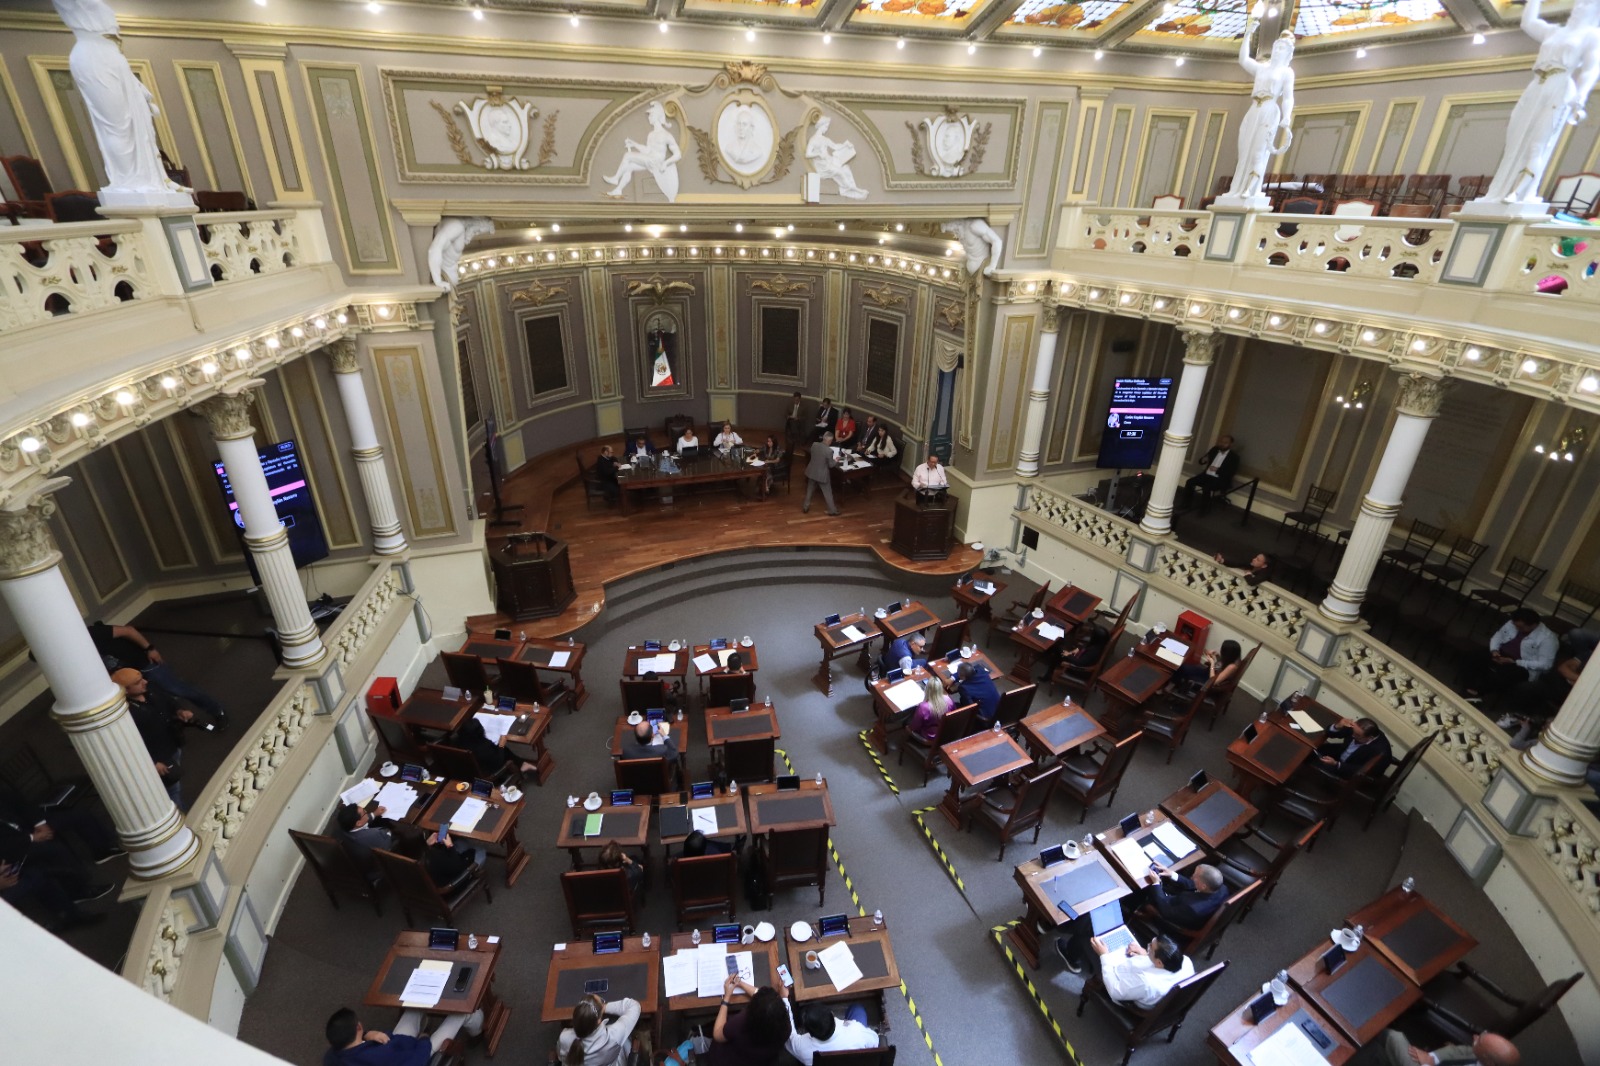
<point>1567,448</point>
<point>1357,397</point>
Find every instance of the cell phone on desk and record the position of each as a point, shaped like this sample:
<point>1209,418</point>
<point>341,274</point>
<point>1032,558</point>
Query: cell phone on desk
<point>596,987</point>
<point>733,966</point>
<point>463,979</point>
<point>783,975</point>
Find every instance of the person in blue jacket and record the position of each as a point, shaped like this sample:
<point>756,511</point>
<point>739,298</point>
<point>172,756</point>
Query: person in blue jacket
<point>974,685</point>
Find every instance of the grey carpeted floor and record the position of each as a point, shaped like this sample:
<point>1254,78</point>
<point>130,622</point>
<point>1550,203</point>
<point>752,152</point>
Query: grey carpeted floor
<point>968,996</point>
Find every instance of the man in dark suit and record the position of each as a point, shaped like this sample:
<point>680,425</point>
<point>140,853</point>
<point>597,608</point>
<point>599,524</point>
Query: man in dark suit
<point>1180,902</point>
<point>1217,468</point>
<point>819,473</point>
<point>827,418</point>
<point>639,744</point>
<point>974,685</point>
<point>1352,744</point>
<point>1487,1049</point>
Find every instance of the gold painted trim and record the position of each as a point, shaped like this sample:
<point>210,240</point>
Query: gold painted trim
<point>416,357</point>
<point>93,718</point>
<point>1201,186</point>
<point>250,68</point>
<point>1441,116</point>
<point>337,183</point>
<point>1362,108</point>
<point>55,558</point>
<point>206,154</point>
<point>1111,187</point>
<point>60,124</point>
<point>9,87</point>
<point>368,455</point>
<point>1052,197</point>
<point>1142,157</point>
<point>1405,140</point>
<point>277,539</point>
<point>1011,351</point>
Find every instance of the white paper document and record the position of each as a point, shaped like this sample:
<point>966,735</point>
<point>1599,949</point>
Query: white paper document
<point>851,633</point>
<point>704,819</point>
<point>905,695</point>
<point>396,798</point>
<point>558,659</point>
<point>680,974</point>
<point>1287,1047</point>
<point>494,725</point>
<point>723,655</point>
<point>704,663</point>
<point>1174,839</point>
<point>1153,850</point>
<point>426,984</point>
<point>1304,722</point>
<point>1047,631</point>
<point>1132,856</point>
<point>711,969</point>
<point>840,964</point>
<point>465,820</point>
<point>361,791</point>
<point>985,587</point>
<point>665,662</point>
<point>757,462</point>
<point>1172,651</point>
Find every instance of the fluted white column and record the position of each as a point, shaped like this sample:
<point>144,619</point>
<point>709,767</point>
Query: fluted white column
<point>387,537</point>
<point>88,704</point>
<point>1415,410</point>
<point>1039,393</point>
<point>264,535</point>
<point>1572,739</point>
<point>1200,347</point>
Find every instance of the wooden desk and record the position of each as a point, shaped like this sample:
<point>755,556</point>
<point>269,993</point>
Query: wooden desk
<point>410,949</point>
<point>873,953</point>
<point>1269,760</point>
<point>1417,937</point>
<point>539,652</point>
<point>764,959</point>
<point>1084,883</point>
<point>884,708</point>
<point>911,618</point>
<point>944,669</point>
<point>1031,644</point>
<point>704,469</point>
<point>1072,605</point>
<point>760,722</point>
<point>1362,997</point>
<point>680,733</point>
<point>1053,731</point>
<point>496,829</point>
<point>971,601</point>
<point>835,643</point>
<point>673,818</point>
<point>1306,705</point>
<point>1212,815</point>
<point>1233,1038</point>
<point>628,826</point>
<point>1128,683</point>
<point>772,811</point>
<point>751,662</point>
<point>976,760</point>
<point>680,662</point>
<point>1133,874</point>
<point>635,972</point>
<point>427,709</point>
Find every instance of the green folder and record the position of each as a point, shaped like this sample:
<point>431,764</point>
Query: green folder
<point>591,825</point>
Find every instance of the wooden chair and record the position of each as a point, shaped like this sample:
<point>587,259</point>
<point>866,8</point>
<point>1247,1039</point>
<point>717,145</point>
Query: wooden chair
<point>420,897</point>
<point>1014,809</point>
<point>1086,778</point>
<point>1469,187</point>
<point>749,761</point>
<point>465,671</point>
<point>1121,617</point>
<point>336,870</point>
<point>1169,202</point>
<point>458,764</point>
<point>35,784</point>
<point>1217,701</point>
<point>31,183</point>
<point>948,637</point>
<point>956,723</point>
<point>225,200</point>
<point>1171,722</point>
<point>1574,607</point>
<point>704,884</point>
<point>1575,194</point>
<point>74,205</point>
<point>1410,211</point>
<point>1301,205</point>
<point>878,1056</point>
<point>781,471</point>
<point>796,857</point>
<point>1208,936</point>
<point>646,693</point>
<point>1016,613</point>
<point>1418,547</point>
<point>593,487</point>
<point>1081,678</point>
<point>1014,706</point>
<point>1309,518</point>
<point>1457,1029</point>
<point>723,689</point>
<point>1453,570</point>
<point>1241,864</point>
<point>1314,794</point>
<point>1141,1026</point>
<point>1378,790</point>
<point>521,680</point>
<point>598,900</point>
<point>647,777</point>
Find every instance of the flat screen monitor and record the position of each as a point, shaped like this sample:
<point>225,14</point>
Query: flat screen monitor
<point>482,787</point>
<point>411,772</point>
<point>1132,432</point>
<point>655,714</point>
<point>291,498</point>
<point>1198,781</point>
<point>1130,824</point>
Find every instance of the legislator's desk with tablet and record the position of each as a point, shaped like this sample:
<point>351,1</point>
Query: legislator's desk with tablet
<point>1312,728</point>
<point>1032,638</point>
<point>1211,815</point>
<point>945,669</point>
<point>427,711</point>
<point>1417,937</point>
<point>677,670</point>
<point>975,761</point>
<point>1149,844</point>
<point>1362,997</point>
<point>764,959</point>
<point>775,810</point>
<point>1053,895</point>
<point>707,468</point>
<point>884,692</point>
<point>911,618</point>
<point>975,596</point>
<point>747,655</point>
<point>1071,605</point>
<point>675,817</point>
<point>851,633</point>
<point>1058,729</point>
<point>680,733</point>
<point>1233,1038</point>
<point>759,722</point>
<point>634,972</point>
<point>1128,683</point>
<point>525,738</point>
<point>554,656</point>
<point>869,948</point>
<point>629,826</point>
<point>497,828</point>
<point>476,966</point>
<point>1268,760</point>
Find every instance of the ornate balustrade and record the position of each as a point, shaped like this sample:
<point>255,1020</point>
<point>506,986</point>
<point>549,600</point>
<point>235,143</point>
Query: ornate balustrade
<point>1385,249</point>
<point>1265,605</point>
<point>1132,232</point>
<point>1105,531</point>
<point>239,244</point>
<point>1559,261</point>
<point>1567,842</point>
<point>70,268</point>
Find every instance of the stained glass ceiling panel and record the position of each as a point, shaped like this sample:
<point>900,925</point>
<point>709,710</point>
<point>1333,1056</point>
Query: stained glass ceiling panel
<point>1198,20</point>
<point>1322,18</point>
<point>924,14</point>
<point>789,10</point>
<point>1055,17</point>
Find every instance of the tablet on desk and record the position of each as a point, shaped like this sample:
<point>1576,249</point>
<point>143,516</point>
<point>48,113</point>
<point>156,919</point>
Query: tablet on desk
<point>656,714</point>
<point>443,939</point>
<point>952,655</point>
<point>1261,1008</point>
<point>725,933</point>
<point>506,703</point>
<point>894,675</point>
<point>831,621</point>
<point>622,797</point>
<point>1130,824</point>
<point>833,924</point>
<point>788,782</point>
<point>1250,733</point>
<point>482,787</point>
<point>739,704</point>
<point>1333,958</point>
<point>701,790</point>
<point>1052,855</point>
<point>719,643</point>
<point>502,634</point>
<point>652,645</point>
<point>607,943</point>
<point>893,607</point>
<point>411,772</point>
<point>1198,781</point>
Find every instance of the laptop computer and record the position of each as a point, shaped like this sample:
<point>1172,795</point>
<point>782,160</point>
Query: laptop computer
<point>1108,926</point>
<point>738,703</point>
<point>689,453</point>
<point>701,790</point>
<point>622,797</point>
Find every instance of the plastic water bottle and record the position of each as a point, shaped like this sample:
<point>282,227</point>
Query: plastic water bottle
<point>570,641</point>
<point>522,635</point>
<point>1088,842</point>
<point>1359,931</point>
<point>694,936</point>
<point>1409,885</point>
<point>645,939</point>
<point>997,725</point>
<point>769,701</point>
<point>733,786</point>
<point>1150,817</point>
<point>680,712</point>
<point>877,918</point>
<point>472,941</point>
<point>819,778</point>
<point>467,696</point>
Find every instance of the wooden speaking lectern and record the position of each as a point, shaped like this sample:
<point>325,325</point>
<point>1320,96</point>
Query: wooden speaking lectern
<point>924,525</point>
<point>532,576</point>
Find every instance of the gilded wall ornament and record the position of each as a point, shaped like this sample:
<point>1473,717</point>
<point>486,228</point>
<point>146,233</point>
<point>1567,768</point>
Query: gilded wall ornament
<point>953,313</point>
<point>950,145</point>
<point>745,143</point>
<point>658,288</point>
<point>500,126</point>
<point>884,297</point>
<point>538,294</point>
<point>779,285</point>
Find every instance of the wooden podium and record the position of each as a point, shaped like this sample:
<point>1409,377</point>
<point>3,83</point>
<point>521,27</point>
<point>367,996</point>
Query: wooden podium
<point>532,576</point>
<point>923,530</point>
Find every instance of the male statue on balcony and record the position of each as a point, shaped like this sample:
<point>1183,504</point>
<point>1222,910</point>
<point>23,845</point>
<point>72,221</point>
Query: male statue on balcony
<point>121,109</point>
<point>1264,130</point>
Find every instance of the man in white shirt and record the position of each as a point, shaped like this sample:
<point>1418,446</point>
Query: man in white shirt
<point>929,476</point>
<point>1142,976</point>
<point>1521,650</point>
<point>816,1029</point>
<point>1487,1049</point>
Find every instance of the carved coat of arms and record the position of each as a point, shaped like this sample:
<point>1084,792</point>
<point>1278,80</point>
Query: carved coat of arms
<point>500,126</point>
<point>948,145</point>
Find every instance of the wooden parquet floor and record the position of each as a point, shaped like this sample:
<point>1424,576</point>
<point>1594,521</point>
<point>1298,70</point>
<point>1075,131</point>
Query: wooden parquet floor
<point>605,545</point>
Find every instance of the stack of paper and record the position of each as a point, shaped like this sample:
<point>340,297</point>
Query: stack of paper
<point>704,663</point>
<point>1304,722</point>
<point>494,725</point>
<point>711,968</point>
<point>1047,631</point>
<point>663,663</point>
<point>840,964</point>
<point>465,820</point>
<point>360,792</point>
<point>426,984</point>
<point>1174,839</point>
<point>851,633</point>
<point>1287,1047</point>
<point>558,659</point>
<point>1131,855</point>
<point>680,974</point>
<point>396,798</point>
<point>704,819</point>
<point>904,695</point>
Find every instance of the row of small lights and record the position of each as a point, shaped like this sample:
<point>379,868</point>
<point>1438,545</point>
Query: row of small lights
<point>1472,353</point>
<point>127,397</point>
<point>694,251</point>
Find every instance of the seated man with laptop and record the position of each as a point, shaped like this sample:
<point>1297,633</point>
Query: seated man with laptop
<point>1101,930</point>
<point>1141,976</point>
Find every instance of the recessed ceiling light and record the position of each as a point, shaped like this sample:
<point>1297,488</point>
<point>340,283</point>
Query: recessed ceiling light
<point>662,25</point>
<point>627,227</point>
<point>1478,38</point>
<point>972,49</point>
<point>1419,345</point>
<point>900,42</point>
<point>1473,354</point>
<point>738,227</point>
<point>1127,297</point>
<point>555,227</point>
<point>241,353</point>
<point>124,397</point>
<point>477,13</point>
<point>272,342</point>
<point>296,331</point>
<point>1099,54</point>
<point>790,227</point>
<point>169,382</point>
<point>1530,366</point>
<point>574,19</point>
<point>827,38</point>
<point>208,367</point>
<point>320,322</point>
<point>1368,336</point>
<point>841,226</point>
<point>899,227</point>
<point>29,444</point>
<point>1195,309</point>
<point>1361,53</point>
<point>1037,51</point>
<point>749,33</point>
<point>1179,61</point>
<point>375,8</point>
<point>261,3</point>
<point>1275,320</point>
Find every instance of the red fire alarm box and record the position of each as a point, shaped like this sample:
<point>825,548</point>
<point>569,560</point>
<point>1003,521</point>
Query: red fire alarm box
<point>1193,630</point>
<point>383,698</point>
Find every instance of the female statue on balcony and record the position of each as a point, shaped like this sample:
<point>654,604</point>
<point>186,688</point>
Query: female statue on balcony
<point>120,107</point>
<point>1563,76</point>
<point>1264,130</point>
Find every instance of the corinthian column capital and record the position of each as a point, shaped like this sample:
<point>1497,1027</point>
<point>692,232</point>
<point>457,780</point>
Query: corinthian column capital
<point>1420,394</point>
<point>1199,346</point>
<point>342,355</point>
<point>26,546</point>
<point>229,411</point>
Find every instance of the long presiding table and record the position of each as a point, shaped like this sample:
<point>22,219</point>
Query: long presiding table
<point>704,469</point>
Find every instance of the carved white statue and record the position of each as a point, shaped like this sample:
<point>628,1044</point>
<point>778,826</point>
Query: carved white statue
<point>450,239</point>
<point>658,155</point>
<point>121,110</point>
<point>980,241</point>
<point>1563,76</point>
<point>501,127</point>
<point>831,160</point>
<point>1264,130</point>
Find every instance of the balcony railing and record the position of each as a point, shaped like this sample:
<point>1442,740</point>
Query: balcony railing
<point>240,244</point>
<point>70,268</point>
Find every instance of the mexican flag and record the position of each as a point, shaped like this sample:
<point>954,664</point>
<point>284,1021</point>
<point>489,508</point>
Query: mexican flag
<point>662,374</point>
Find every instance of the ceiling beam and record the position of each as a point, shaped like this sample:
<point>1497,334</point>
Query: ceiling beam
<point>835,15</point>
<point>999,13</point>
<point>1142,16</point>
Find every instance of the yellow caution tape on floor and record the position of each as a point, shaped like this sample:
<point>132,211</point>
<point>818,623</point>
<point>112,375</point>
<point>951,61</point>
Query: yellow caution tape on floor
<point>944,860</point>
<point>882,769</point>
<point>1017,965</point>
